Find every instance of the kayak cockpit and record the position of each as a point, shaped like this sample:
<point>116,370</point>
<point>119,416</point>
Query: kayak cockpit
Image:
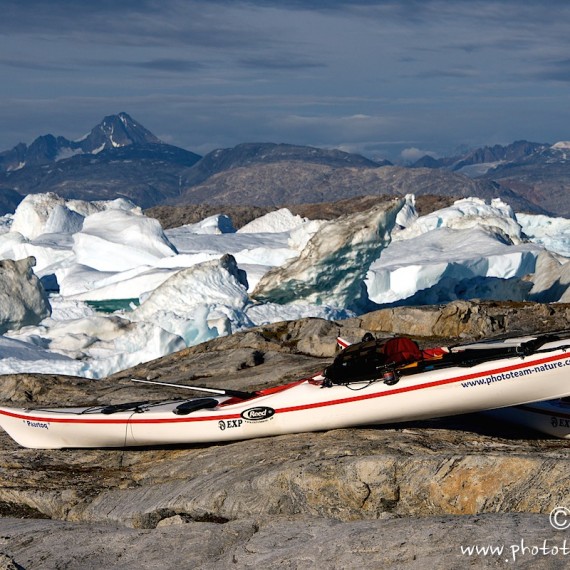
<point>388,359</point>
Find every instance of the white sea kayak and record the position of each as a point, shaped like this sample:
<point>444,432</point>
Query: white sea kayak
<point>368,383</point>
<point>551,417</point>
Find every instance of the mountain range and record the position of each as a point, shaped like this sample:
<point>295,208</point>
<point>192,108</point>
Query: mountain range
<point>121,158</point>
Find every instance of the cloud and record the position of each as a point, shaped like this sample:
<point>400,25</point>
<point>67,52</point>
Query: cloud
<point>288,62</point>
<point>367,74</point>
<point>169,65</point>
<point>34,65</point>
<point>457,73</point>
<point>554,71</point>
<point>141,23</point>
<point>413,154</point>
<point>327,127</point>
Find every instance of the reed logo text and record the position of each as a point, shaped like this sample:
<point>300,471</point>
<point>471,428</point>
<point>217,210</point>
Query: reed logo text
<point>258,414</point>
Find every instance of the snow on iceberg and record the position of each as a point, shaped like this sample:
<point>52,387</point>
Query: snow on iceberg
<point>468,213</point>
<point>449,260</point>
<point>37,214</point>
<point>117,240</point>
<point>33,212</point>
<point>274,222</point>
<point>551,280</point>
<point>331,268</point>
<point>49,250</point>
<point>214,225</point>
<point>96,345</point>
<point>21,357</point>
<point>8,242</point>
<point>552,233</point>
<point>62,220</point>
<point>198,303</point>
<point>108,286</point>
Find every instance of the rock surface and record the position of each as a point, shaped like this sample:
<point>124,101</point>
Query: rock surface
<point>176,216</point>
<point>300,182</point>
<point>405,496</point>
<point>318,543</point>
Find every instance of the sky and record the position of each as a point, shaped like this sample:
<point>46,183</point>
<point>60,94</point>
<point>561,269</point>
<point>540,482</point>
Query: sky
<point>387,79</point>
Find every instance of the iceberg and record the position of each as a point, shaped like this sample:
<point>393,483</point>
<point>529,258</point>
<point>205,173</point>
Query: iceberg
<point>33,212</point>
<point>23,300</point>
<point>200,302</point>
<point>175,288</point>
<point>94,346</point>
<point>214,225</point>
<point>464,214</point>
<point>274,222</point>
<point>330,270</point>
<point>468,250</point>
<point>38,214</point>
<point>551,233</point>
<point>117,240</point>
<point>551,280</point>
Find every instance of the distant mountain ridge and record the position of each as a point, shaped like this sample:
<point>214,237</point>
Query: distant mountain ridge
<point>114,131</point>
<point>252,154</point>
<point>117,158</point>
<point>537,172</point>
<point>121,158</point>
<point>542,177</point>
<point>487,154</point>
<point>288,182</point>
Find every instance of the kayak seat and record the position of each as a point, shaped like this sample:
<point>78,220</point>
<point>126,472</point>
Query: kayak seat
<point>114,408</point>
<point>194,405</point>
<point>369,359</point>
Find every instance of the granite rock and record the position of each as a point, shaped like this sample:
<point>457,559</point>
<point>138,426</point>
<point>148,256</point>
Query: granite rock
<point>405,496</point>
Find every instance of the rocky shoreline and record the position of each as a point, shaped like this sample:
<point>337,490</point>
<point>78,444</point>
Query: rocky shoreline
<point>401,496</point>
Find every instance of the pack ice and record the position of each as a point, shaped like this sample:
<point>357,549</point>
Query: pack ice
<point>170,289</point>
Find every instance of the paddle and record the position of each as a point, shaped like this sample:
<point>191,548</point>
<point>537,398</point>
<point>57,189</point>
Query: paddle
<point>232,393</point>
